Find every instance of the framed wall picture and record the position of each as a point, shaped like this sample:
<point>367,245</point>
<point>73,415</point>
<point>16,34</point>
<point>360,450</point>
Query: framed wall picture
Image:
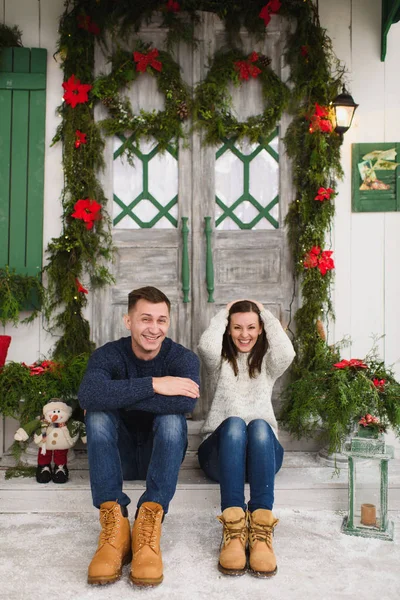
<point>376,177</point>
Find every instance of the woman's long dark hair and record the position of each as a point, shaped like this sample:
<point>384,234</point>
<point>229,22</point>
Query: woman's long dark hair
<point>257,353</point>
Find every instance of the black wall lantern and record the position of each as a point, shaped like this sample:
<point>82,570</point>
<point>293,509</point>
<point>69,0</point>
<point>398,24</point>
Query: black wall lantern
<point>344,107</point>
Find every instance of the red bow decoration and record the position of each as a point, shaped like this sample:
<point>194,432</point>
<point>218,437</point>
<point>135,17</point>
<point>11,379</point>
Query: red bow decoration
<point>379,384</point>
<point>75,91</point>
<point>80,287</point>
<point>269,9</point>
<point>85,22</point>
<point>147,60</point>
<point>324,194</point>
<point>322,260</point>
<point>173,6</point>
<point>320,120</point>
<point>88,211</point>
<point>353,362</point>
<point>80,138</point>
<point>246,68</point>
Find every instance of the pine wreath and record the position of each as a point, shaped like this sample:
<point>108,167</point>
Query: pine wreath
<point>164,125</point>
<point>213,102</point>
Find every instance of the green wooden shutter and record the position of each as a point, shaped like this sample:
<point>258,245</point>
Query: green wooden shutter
<point>22,135</point>
<point>383,200</point>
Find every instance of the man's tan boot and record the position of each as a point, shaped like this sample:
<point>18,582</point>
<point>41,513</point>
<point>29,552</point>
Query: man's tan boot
<point>114,549</point>
<point>261,529</point>
<point>232,557</point>
<point>147,567</point>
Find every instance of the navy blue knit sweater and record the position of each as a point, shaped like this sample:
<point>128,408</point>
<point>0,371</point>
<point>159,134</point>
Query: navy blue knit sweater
<point>116,379</point>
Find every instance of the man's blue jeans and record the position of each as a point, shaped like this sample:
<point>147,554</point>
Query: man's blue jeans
<point>115,453</point>
<point>235,453</point>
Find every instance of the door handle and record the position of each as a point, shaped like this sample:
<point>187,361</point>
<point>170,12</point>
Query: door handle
<point>185,260</point>
<point>209,260</point>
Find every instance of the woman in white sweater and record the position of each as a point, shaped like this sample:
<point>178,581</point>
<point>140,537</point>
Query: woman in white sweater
<point>244,350</point>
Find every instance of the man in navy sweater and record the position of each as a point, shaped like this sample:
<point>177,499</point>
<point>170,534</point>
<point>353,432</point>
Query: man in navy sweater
<point>135,393</point>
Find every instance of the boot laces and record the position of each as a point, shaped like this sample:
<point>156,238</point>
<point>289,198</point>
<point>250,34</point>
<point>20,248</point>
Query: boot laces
<point>262,533</point>
<point>147,530</point>
<point>110,524</point>
<point>233,529</point>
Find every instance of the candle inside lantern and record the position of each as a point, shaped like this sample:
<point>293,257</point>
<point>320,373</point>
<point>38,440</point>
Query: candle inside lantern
<point>368,514</point>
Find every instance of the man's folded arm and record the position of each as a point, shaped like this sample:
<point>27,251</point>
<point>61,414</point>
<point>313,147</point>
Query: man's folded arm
<point>100,391</point>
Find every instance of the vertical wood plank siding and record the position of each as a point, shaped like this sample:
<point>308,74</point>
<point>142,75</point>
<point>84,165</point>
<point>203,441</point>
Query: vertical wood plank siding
<point>22,131</point>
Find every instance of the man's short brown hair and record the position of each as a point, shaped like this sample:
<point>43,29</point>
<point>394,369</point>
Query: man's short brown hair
<point>149,293</point>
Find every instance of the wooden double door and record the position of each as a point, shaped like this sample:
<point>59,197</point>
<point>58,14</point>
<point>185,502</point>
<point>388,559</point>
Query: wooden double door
<point>210,219</point>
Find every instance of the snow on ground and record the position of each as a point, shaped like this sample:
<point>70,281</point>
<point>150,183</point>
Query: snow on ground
<point>46,556</point>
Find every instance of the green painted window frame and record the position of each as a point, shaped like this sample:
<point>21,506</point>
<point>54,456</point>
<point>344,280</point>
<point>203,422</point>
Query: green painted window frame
<point>375,200</point>
<point>263,211</point>
<point>128,209</point>
<point>22,148</point>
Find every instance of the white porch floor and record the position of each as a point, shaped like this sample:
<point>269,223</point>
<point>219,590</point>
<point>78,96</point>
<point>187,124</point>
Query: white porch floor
<point>48,534</point>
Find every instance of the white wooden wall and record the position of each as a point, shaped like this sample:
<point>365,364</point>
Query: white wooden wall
<point>38,20</point>
<point>366,246</point>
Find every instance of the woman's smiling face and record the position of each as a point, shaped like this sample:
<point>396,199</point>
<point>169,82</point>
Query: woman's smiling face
<point>244,329</point>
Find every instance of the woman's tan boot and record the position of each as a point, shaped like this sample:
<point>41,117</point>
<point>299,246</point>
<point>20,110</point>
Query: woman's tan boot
<point>147,566</point>
<point>114,548</point>
<point>232,558</point>
<point>261,529</point>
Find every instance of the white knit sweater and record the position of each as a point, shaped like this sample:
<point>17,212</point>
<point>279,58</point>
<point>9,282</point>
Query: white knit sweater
<point>241,396</point>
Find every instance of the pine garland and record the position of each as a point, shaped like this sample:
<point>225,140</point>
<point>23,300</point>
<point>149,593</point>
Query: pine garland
<point>17,293</point>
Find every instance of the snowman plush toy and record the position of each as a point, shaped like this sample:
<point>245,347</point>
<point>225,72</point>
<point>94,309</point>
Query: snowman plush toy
<point>54,433</point>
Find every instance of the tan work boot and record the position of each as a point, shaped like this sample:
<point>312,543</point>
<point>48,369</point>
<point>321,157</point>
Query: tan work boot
<point>147,567</point>
<point>261,529</point>
<point>232,557</point>
<point>114,549</point>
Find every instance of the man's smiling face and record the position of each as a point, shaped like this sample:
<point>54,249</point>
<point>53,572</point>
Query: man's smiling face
<point>148,324</point>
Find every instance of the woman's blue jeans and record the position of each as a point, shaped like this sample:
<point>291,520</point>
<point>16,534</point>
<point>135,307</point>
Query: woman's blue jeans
<point>235,453</point>
<point>116,453</point>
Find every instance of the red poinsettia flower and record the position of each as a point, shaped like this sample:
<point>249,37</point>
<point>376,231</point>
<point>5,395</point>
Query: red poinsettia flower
<point>80,138</point>
<point>325,126</point>
<point>40,368</point>
<point>173,6</point>
<point>324,194</point>
<point>320,120</point>
<point>353,362</point>
<point>322,260</point>
<point>321,111</point>
<point>246,68</point>
<point>88,210</point>
<point>272,7</point>
<point>379,384</point>
<point>75,91</point>
<point>80,287</point>
<point>85,22</point>
<point>311,258</point>
<point>325,262</point>
<point>147,60</point>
